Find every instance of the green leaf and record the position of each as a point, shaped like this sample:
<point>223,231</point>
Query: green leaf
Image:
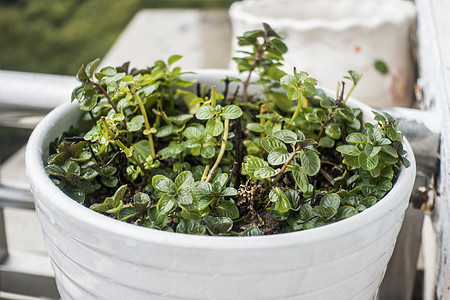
<point>279,45</point>
<point>208,152</point>
<point>231,112</point>
<point>265,172</point>
<point>333,131</point>
<point>180,120</point>
<point>141,200</point>
<point>203,191</point>
<point>81,74</point>
<point>366,162</point>
<point>184,180</point>
<point>286,136</point>
<point>282,203</point>
<point>191,227</point>
<point>253,163</point>
<point>174,58</point>
<point>357,138</point>
<point>348,150</point>
<point>228,209</point>
<point>270,143</point>
<point>165,204</point>
<point>294,198</point>
<point>389,150</point>
<point>381,67</point>
<point>55,171</point>
<point>331,200</point>
<point>369,201</point>
<point>306,211</point>
<point>205,112</point>
<point>168,130</point>
<point>220,181</point>
<point>136,123</point>
<point>163,184</point>
<point>301,179</point>
<point>370,150</point>
<point>345,212</point>
<point>127,213</point>
<point>310,162</point>
<point>252,231</point>
<point>89,100</point>
<point>214,127</point>
<point>255,127</point>
<point>278,156</point>
<point>228,192</point>
<point>218,225</point>
<point>324,212</point>
<point>326,142</point>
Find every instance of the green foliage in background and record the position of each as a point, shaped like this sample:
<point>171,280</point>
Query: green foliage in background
<point>54,36</point>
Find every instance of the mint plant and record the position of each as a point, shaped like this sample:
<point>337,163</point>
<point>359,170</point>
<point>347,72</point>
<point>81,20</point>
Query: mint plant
<point>151,152</point>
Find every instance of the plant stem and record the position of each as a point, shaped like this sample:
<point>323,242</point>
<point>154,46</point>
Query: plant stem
<point>278,177</point>
<point>205,172</point>
<point>213,97</point>
<point>222,149</point>
<point>299,107</point>
<point>349,93</point>
<point>107,97</point>
<point>262,121</point>
<point>147,124</point>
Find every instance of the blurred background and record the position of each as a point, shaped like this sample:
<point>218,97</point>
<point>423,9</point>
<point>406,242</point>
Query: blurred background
<point>56,37</point>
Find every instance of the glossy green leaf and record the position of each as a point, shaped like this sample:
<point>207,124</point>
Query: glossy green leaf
<point>228,209</point>
<point>331,200</point>
<point>348,150</point>
<point>265,172</point>
<point>286,136</point>
<point>205,112</point>
<point>231,112</point>
<point>163,184</point>
<point>301,179</point>
<point>136,123</point>
<point>270,143</point>
<point>165,204</point>
<point>278,156</point>
<point>310,162</point>
<point>366,162</point>
<point>214,127</point>
<point>218,225</point>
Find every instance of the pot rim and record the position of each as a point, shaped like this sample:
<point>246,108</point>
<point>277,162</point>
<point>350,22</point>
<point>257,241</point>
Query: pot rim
<point>49,195</point>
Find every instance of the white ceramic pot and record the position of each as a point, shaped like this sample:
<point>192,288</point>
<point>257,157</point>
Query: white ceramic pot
<point>96,257</point>
<point>326,38</point>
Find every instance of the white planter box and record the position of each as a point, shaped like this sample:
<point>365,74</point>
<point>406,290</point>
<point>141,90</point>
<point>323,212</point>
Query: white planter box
<point>326,38</point>
<point>96,257</point>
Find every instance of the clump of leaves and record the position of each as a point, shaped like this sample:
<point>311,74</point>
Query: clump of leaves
<point>153,153</point>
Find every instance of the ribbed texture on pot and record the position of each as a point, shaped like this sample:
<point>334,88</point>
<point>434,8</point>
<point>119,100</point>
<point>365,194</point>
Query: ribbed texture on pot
<point>95,257</point>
